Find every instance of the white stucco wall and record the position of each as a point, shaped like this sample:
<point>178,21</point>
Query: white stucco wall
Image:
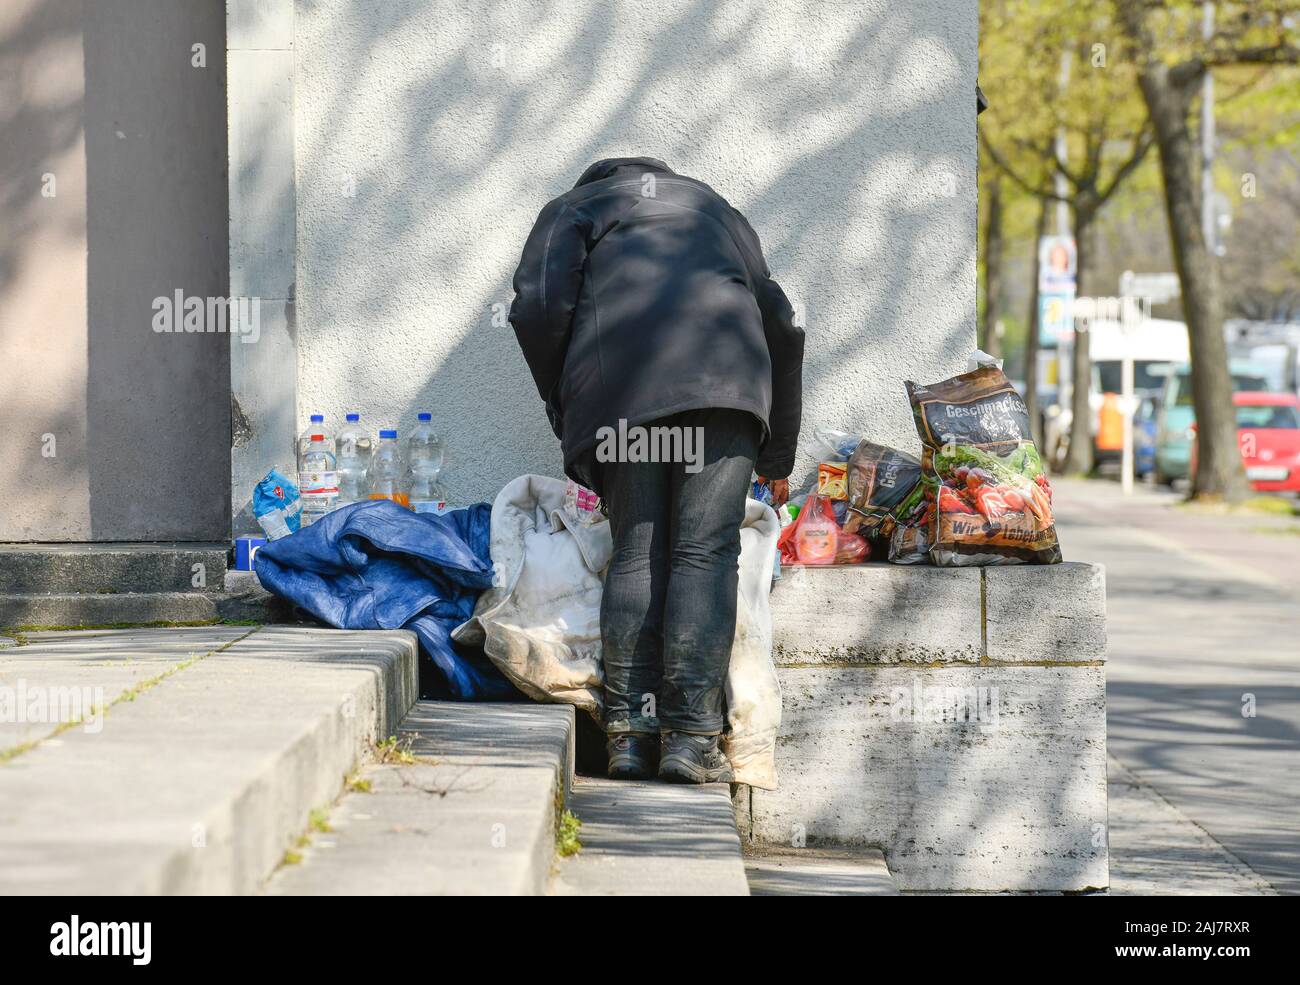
<point>844,131</point>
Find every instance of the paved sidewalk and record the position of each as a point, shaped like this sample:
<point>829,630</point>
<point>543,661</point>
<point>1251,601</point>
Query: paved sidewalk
<point>1204,621</point>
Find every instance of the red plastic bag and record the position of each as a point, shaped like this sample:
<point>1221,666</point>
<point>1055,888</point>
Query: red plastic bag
<point>815,537</point>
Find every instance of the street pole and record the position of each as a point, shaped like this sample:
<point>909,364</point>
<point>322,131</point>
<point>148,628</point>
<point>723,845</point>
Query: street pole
<point>1209,225</point>
<point>1131,323</point>
<point>1059,183</point>
<point>1061,186</point>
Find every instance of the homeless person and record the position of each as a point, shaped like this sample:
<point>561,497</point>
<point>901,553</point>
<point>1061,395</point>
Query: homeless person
<point>671,369</point>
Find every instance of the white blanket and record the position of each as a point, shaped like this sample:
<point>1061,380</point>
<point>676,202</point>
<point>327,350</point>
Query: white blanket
<point>540,624</point>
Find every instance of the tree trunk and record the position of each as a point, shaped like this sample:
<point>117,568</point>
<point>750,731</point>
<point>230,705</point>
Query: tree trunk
<point>989,340</point>
<point>1031,336</point>
<point>1078,459</point>
<point>1219,472</point>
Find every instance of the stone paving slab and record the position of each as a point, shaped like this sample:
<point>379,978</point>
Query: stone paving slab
<point>431,830</point>
<point>521,733</point>
<point>1156,850</point>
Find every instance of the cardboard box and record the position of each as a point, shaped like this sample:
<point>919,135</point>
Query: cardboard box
<point>246,549</point>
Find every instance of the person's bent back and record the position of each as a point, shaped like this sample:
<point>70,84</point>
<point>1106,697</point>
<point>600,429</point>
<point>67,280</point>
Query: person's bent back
<point>642,293</point>
<point>643,304</point>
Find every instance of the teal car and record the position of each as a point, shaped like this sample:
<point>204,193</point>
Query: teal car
<point>1177,415</point>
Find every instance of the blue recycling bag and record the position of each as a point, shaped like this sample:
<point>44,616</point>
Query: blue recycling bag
<point>377,565</point>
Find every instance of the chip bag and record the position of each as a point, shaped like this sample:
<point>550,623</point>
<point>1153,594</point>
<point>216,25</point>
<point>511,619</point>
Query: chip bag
<point>991,500</point>
<point>879,480</point>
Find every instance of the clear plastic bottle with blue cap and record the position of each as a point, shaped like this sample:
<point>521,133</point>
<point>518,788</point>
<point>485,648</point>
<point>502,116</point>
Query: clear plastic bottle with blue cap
<point>424,458</point>
<point>316,426</point>
<point>388,470</point>
<point>355,447</point>
<point>318,483</point>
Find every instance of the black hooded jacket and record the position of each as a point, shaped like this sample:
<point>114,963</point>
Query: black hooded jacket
<point>642,293</point>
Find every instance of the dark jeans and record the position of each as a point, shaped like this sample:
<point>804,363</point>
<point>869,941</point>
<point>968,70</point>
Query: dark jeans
<point>668,615</point>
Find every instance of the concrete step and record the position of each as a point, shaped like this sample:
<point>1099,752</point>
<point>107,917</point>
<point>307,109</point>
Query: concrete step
<point>471,811</point>
<point>649,838</point>
<point>21,611</point>
<point>243,600</point>
<point>217,744</point>
<point>819,872</point>
<point>27,569</point>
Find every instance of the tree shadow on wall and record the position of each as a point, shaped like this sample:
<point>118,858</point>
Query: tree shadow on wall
<point>453,162</point>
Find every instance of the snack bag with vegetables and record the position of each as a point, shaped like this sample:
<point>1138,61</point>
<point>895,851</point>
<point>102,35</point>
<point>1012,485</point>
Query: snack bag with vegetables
<point>992,502</point>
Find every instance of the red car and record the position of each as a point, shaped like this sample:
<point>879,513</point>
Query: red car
<point>1268,433</point>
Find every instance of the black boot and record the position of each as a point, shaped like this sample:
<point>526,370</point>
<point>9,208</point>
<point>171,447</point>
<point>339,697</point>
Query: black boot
<point>632,756</point>
<point>691,758</point>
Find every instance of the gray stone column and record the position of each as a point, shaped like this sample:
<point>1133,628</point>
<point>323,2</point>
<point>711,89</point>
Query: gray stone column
<point>263,217</point>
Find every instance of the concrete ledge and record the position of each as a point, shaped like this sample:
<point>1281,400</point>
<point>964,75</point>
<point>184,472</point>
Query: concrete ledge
<point>242,600</point>
<point>876,613</point>
<point>974,757</point>
<point>1054,613</point>
<point>245,600</point>
<point>1015,801</point>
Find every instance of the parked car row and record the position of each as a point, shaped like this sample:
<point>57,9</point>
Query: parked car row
<point>1268,434</point>
<point>1177,415</point>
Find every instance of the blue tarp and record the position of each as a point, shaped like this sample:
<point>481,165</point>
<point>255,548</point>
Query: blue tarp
<point>377,565</point>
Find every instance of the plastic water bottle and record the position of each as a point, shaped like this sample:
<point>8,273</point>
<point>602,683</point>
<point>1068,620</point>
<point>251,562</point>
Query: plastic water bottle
<point>426,495</point>
<point>424,446</point>
<point>424,462</point>
<point>318,479</point>
<point>354,438</point>
<point>354,450</point>
<point>387,470</point>
<point>317,426</point>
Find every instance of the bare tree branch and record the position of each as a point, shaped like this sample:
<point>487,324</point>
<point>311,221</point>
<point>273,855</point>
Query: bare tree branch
<point>1142,143</point>
<point>1038,191</point>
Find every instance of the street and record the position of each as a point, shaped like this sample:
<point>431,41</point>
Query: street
<point>1203,688</point>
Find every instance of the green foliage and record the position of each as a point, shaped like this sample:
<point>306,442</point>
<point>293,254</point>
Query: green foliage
<point>566,835</point>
